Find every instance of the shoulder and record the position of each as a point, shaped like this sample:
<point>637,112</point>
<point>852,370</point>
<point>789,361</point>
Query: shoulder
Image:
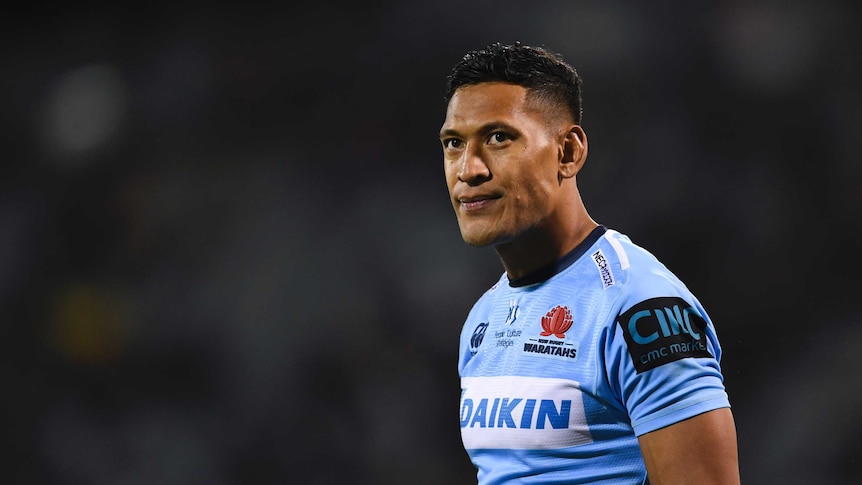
<point>636,270</point>
<point>648,292</point>
<point>659,319</point>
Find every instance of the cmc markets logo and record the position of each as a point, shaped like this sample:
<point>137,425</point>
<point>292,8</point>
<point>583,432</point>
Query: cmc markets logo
<point>663,330</point>
<point>555,323</point>
<point>477,337</point>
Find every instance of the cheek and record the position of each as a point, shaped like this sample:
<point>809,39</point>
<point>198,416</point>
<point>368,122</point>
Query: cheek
<point>450,175</point>
<point>534,197</point>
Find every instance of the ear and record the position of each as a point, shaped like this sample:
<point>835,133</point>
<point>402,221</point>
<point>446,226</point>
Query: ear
<point>574,152</point>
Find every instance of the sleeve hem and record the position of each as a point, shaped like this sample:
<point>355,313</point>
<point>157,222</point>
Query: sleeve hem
<point>680,412</point>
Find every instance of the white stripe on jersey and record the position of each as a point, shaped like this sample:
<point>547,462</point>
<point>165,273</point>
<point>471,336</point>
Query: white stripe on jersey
<point>621,253</point>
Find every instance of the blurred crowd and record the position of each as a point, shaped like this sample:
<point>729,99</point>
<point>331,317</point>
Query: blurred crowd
<point>227,254</point>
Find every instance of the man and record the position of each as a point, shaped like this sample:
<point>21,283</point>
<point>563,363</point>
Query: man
<point>588,361</point>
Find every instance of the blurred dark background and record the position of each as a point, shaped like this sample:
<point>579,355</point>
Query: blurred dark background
<point>227,254</point>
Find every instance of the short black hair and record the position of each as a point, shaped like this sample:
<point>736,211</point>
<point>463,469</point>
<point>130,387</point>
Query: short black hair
<point>544,73</point>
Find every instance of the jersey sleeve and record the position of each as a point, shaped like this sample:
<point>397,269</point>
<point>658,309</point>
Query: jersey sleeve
<point>662,357</point>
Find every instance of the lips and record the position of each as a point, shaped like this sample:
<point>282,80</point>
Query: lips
<point>476,202</point>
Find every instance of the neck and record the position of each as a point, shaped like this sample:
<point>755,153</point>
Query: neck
<point>542,246</point>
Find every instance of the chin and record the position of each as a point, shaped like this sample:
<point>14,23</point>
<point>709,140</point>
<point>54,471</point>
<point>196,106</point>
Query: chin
<point>476,242</point>
<point>481,239</point>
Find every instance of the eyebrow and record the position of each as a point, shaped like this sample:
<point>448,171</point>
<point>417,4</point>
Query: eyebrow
<point>483,130</point>
<point>449,132</point>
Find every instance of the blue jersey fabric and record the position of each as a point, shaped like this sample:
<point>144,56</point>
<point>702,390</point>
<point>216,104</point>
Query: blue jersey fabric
<point>562,371</point>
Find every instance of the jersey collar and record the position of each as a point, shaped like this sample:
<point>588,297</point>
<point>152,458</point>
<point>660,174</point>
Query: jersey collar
<point>547,272</point>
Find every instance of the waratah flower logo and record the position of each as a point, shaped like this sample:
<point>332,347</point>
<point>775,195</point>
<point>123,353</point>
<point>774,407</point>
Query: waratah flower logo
<point>558,321</point>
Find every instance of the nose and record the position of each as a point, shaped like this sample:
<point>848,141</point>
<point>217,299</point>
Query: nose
<point>473,170</point>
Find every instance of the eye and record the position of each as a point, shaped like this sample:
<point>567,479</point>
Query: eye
<point>498,138</point>
<point>452,143</point>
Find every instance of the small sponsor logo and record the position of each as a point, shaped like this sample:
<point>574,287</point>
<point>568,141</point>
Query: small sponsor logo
<point>506,338</point>
<point>555,323</point>
<point>513,312</point>
<point>477,337</point>
<point>604,269</point>
<point>663,330</point>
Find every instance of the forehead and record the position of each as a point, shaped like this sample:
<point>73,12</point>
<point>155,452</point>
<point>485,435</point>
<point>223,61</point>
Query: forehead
<point>485,103</point>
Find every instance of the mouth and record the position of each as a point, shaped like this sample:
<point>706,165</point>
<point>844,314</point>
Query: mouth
<point>476,202</point>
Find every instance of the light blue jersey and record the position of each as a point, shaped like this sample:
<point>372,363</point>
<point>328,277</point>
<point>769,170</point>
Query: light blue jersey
<point>562,371</point>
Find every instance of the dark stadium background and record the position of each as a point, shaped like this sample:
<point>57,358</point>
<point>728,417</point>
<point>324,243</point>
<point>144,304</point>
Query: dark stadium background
<point>227,254</point>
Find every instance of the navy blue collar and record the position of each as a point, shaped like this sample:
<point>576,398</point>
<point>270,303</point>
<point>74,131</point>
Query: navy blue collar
<point>546,272</point>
